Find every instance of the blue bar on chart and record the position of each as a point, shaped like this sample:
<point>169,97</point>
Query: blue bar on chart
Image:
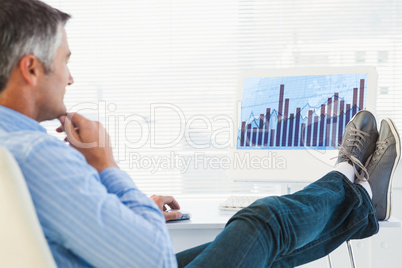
<point>335,120</point>
<point>302,134</point>
<point>291,122</point>
<point>315,133</point>
<point>285,123</point>
<point>254,140</point>
<point>280,108</point>
<point>266,126</point>
<point>248,135</point>
<point>298,112</point>
<point>322,126</point>
<point>243,129</point>
<point>297,127</point>
<point>341,117</point>
<point>271,143</point>
<point>347,114</point>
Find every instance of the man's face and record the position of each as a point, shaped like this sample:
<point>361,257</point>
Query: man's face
<point>53,85</point>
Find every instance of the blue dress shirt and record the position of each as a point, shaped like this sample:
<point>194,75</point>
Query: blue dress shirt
<point>89,219</point>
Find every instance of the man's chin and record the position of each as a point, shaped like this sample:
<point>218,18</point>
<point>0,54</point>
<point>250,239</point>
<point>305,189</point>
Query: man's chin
<point>62,112</point>
<point>56,115</point>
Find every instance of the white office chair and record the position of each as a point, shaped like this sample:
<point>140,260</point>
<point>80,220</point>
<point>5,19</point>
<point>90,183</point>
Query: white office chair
<point>22,243</point>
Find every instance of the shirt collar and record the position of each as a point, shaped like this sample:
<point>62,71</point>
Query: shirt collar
<point>13,121</point>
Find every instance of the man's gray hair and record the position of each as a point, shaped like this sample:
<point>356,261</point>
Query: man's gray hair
<point>28,27</point>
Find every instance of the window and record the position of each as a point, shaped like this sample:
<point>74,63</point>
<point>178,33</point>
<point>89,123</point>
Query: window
<point>383,90</point>
<point>162,75</point>
<point>382,56</point>
<point>360,57</point>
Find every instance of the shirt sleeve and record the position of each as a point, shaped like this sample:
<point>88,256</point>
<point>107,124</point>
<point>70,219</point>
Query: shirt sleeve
<point>101,218</point>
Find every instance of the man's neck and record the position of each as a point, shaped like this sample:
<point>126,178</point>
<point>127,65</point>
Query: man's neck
<point>19,99</point>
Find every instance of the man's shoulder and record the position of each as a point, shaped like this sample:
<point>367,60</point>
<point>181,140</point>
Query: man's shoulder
<point>21,144</point>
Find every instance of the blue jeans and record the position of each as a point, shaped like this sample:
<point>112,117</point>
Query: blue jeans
<point>290,230</point>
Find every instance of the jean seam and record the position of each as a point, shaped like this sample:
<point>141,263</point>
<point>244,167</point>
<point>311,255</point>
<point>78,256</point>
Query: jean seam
<point>268,220</point>
<point>265,223</point>
<point>248,250</point>
<point>352,186</point>
<point>301,251</point>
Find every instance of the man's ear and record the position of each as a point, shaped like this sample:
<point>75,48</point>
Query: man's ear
<point>31,69</point>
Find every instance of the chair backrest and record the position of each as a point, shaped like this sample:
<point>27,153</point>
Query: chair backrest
<point>22,242</point>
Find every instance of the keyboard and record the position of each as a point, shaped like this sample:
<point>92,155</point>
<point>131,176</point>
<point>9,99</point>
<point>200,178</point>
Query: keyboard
<point>238,202</point>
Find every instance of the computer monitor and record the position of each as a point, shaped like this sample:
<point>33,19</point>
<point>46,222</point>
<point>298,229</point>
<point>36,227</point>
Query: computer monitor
<point>290,121</point>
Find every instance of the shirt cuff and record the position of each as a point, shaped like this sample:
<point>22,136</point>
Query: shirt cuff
<point>116,180</point>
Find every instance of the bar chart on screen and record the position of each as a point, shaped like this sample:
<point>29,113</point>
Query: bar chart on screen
<point>299,112</point>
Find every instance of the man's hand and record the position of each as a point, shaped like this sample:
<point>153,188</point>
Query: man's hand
<point>163,201</point>
<point>90,138</point>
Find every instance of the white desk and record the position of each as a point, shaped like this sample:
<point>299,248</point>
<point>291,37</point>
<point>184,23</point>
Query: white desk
<point>208,221</point>
<point>204,214</point>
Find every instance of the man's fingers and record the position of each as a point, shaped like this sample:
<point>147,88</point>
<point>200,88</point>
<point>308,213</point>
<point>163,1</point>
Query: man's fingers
<point>170,201</point>
<point>62,118</point>
<point>77,119</point>
<point>163,201</point>
<point>174,215</point>
<point>174,204</point>
<point>71,131</point>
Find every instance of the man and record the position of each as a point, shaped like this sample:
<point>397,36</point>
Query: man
<point>91,212</point>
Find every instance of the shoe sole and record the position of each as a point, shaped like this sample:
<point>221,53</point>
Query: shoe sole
<point>398,155</point>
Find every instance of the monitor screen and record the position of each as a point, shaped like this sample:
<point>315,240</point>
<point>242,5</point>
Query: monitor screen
<point>294,112</point>
<point>290,121</point>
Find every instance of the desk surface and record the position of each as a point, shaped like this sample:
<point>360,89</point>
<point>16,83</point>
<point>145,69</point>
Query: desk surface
<point>205,214</point>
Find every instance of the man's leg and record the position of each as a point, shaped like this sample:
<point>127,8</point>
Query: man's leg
<point>361,222</point>
<point>187,256</point>
<point>298,228</point>
<point>292,229</point>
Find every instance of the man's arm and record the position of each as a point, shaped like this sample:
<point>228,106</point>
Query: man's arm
<point>101,218</point>
<point>89,219</point>
<point>91,139</point>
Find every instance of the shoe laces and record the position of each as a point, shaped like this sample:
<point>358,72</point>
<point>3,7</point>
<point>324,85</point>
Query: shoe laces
<point>356,139</point>
<point>356,162</point>
<point>378,151</point>
<point>373,158</point>
<point>359,137</point>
